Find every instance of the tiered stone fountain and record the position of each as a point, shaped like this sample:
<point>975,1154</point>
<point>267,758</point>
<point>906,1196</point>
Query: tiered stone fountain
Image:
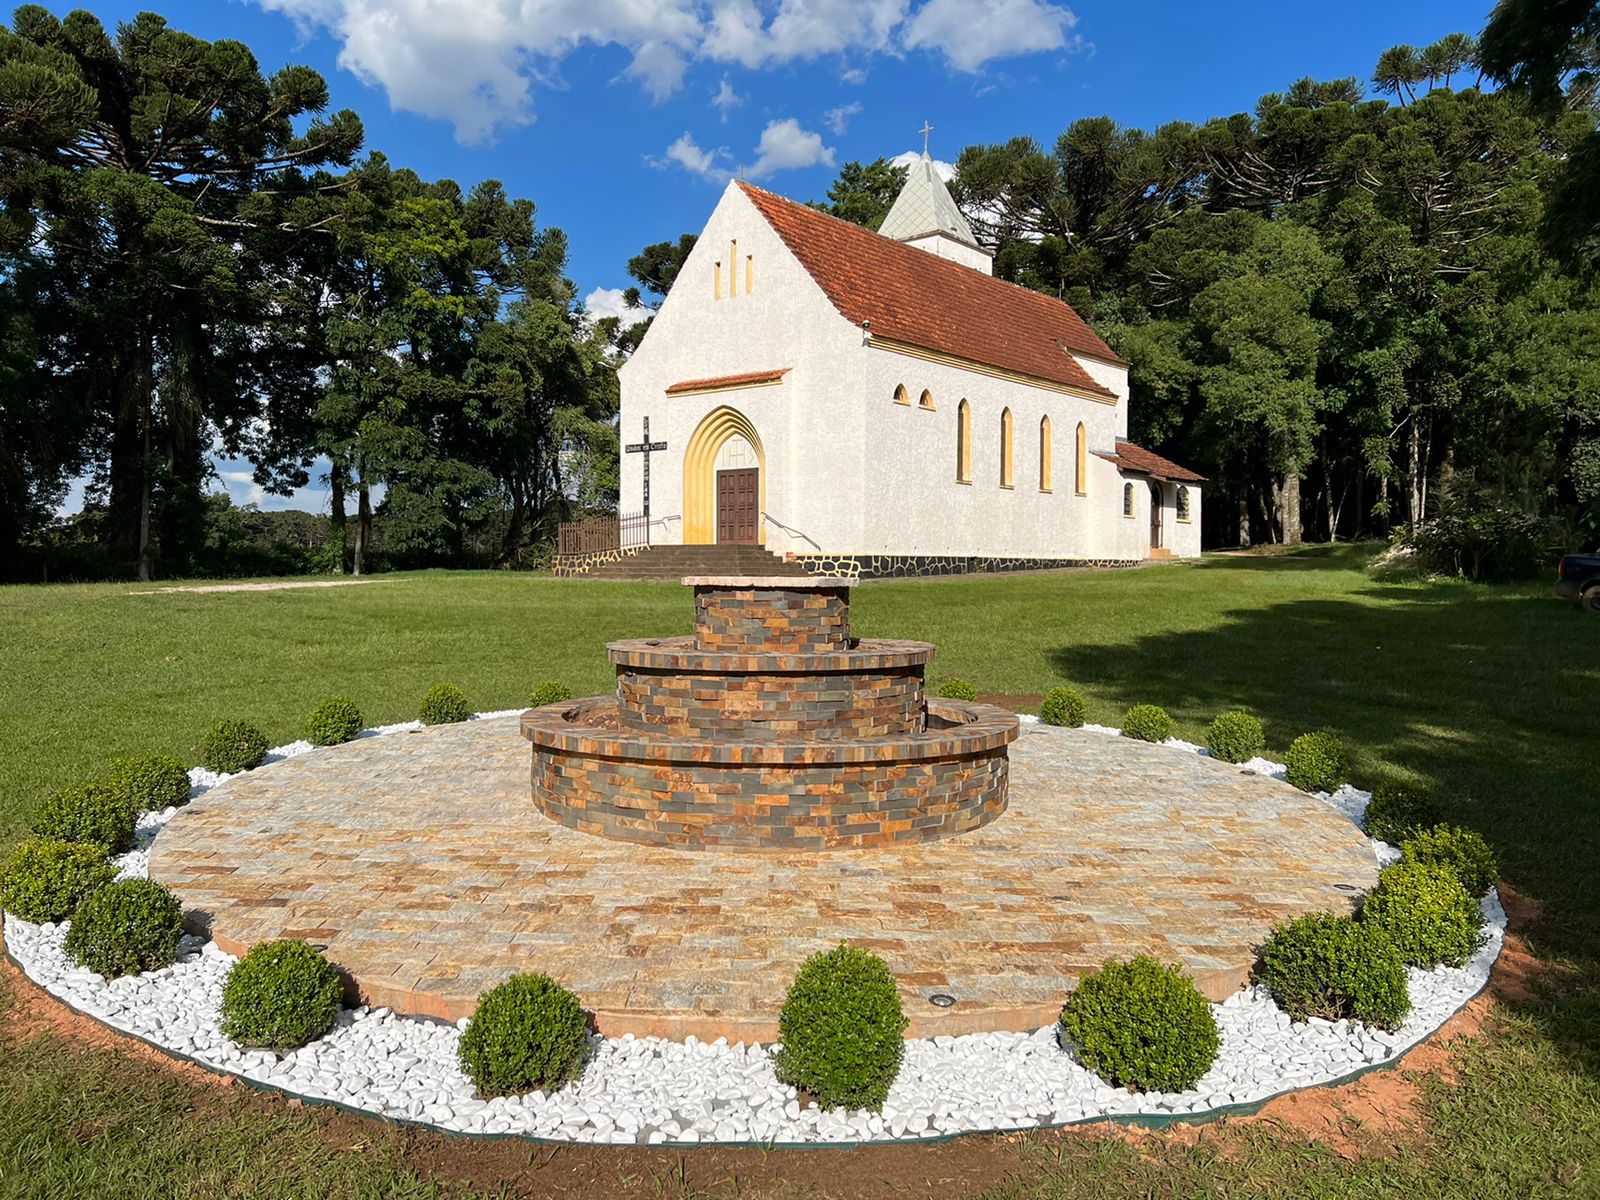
<point>771,728</point>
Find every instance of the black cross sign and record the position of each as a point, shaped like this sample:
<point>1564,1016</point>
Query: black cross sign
<point>644,448</point>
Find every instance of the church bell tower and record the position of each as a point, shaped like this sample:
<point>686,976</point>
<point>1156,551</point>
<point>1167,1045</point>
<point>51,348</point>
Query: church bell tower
<point>926,217</point>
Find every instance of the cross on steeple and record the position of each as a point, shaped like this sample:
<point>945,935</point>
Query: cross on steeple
<point>925,131</point>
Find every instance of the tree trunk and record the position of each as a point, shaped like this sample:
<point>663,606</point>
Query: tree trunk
<point>363,526</point>
<point>1244,520</point>
<point>144,497</point>
<point>336,513</point>
<point>1288,504</point>
<point>512,542</point>
<point>1414,514</point>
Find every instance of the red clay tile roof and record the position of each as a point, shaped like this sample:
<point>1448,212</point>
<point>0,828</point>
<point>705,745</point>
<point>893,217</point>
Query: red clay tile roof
<point>729,381</point>
<point>1142,462</point>
<point>912,296</point>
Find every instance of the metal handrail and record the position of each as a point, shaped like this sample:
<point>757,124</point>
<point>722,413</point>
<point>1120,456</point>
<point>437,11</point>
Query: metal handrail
<point>772,520</point>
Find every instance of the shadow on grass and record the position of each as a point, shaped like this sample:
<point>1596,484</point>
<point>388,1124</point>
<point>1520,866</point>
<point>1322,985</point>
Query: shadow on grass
<point>1487,696</point>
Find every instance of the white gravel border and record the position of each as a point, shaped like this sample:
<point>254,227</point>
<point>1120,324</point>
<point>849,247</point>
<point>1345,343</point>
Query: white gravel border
<point>653,1091</point>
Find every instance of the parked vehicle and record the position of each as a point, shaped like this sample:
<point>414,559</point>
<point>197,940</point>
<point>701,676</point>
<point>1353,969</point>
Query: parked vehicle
<point>1578,578</point>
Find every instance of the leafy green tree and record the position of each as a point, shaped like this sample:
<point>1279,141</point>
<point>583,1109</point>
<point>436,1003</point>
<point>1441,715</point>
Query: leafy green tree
<point>1549,51</point>
<point>144,164</point>
<point>863,194</point>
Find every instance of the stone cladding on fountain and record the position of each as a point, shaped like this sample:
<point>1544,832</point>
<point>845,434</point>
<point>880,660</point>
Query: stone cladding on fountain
<point>770,728</point>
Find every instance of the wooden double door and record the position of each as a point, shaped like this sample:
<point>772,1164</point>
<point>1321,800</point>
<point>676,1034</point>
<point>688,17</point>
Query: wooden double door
<point>739,506</point>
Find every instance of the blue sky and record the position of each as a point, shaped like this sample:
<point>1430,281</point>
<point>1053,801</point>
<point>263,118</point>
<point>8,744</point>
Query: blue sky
<point>621,119</point>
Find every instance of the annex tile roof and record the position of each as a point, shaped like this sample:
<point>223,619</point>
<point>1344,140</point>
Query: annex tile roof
<point>1139,461</point>
<point>719,382</point>
<point>915,297</point>
<point>924,206</point>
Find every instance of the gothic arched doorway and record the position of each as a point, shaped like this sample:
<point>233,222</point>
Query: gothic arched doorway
<point>724,481</point>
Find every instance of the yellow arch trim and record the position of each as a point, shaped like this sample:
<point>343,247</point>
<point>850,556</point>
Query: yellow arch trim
<point>1005,448</point>
<point>700,473</point>
<point>1044,454</point>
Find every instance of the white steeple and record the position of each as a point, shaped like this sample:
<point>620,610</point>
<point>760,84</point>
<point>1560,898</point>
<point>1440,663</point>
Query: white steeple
<point>926,217</point>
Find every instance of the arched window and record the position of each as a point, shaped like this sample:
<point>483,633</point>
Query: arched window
<point>1044,454</point>
<point>901,396</point>
<point>1005,448</point>
<point>1127,499</point>
<point>926,401</point>
<point>964,443</point>
<point>1081,483</point>
<point>1183,503</point>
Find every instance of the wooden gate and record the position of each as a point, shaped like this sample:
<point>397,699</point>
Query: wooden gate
<point>738,506</point>
<point>1155,516</point>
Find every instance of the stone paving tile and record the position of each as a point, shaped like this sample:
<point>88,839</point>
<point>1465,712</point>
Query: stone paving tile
<point>419,860</point>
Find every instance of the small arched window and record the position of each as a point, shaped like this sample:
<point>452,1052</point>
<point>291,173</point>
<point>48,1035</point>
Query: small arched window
<point>901,396</point>
<point>1183,503</point>
<point>926,401</point>
<point>964,443</point>
<point>1081,482</point>
<point>1005,448</point>
<point>1127,499</point>
<point>1044,454</point>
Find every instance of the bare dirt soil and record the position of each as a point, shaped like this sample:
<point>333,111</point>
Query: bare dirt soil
<point>260,587</point>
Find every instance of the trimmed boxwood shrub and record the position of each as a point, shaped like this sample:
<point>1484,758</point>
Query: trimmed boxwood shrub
<point>47,879</point>
<point>530,1032</point>
<point>842,1029</point>
<point>149,782</point>
<point>92,814</point>
<point>1147,723</point>
<point>1336,968</point>
<point>551,691</point>
<point>1428,915</point>
<point>1395,813</point>
<point>1139,1024</point>
<point>1462,850</point>
<point>1063,706</point>
<point>281,995</point>
<point>333,722</point>
<point>956,688</point>
<point>125,928</point>
<point>1315,762</point>
<point>444,704</point>
<point>1235,737</point>
<point>233,746</point>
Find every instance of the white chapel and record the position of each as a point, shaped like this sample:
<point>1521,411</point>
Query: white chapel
<point>834,394</point>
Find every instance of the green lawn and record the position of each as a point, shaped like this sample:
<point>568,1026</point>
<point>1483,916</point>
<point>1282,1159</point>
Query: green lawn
<point>1488,694</point>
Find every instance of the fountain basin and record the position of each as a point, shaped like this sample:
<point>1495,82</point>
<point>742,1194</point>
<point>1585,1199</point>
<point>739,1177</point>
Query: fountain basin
<point>664,789</point>
<point>670,685</point>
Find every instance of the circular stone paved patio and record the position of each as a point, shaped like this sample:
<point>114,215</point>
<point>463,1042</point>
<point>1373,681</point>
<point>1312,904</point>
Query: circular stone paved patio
<point>418,860</point>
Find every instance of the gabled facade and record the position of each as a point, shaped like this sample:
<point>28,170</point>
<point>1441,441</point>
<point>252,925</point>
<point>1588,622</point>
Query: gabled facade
<point>835,394</point>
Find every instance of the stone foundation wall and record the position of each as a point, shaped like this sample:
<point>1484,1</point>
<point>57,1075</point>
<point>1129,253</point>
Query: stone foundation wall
<point>772,620</point>
<point>861,704</point>
<point>570,565</point>
<point>795,808</point>
<point>915,566</point>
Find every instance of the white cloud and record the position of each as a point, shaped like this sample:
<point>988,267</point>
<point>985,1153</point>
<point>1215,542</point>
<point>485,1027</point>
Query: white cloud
<point>687,153</point>
<point>726,99</point>
<point>854,76</point>
<point>970,35</point>
<point>609,302</point>
<point>945,171</point>
<point>785,146</point>
<point>838,119</point>
<point>474,62</point>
